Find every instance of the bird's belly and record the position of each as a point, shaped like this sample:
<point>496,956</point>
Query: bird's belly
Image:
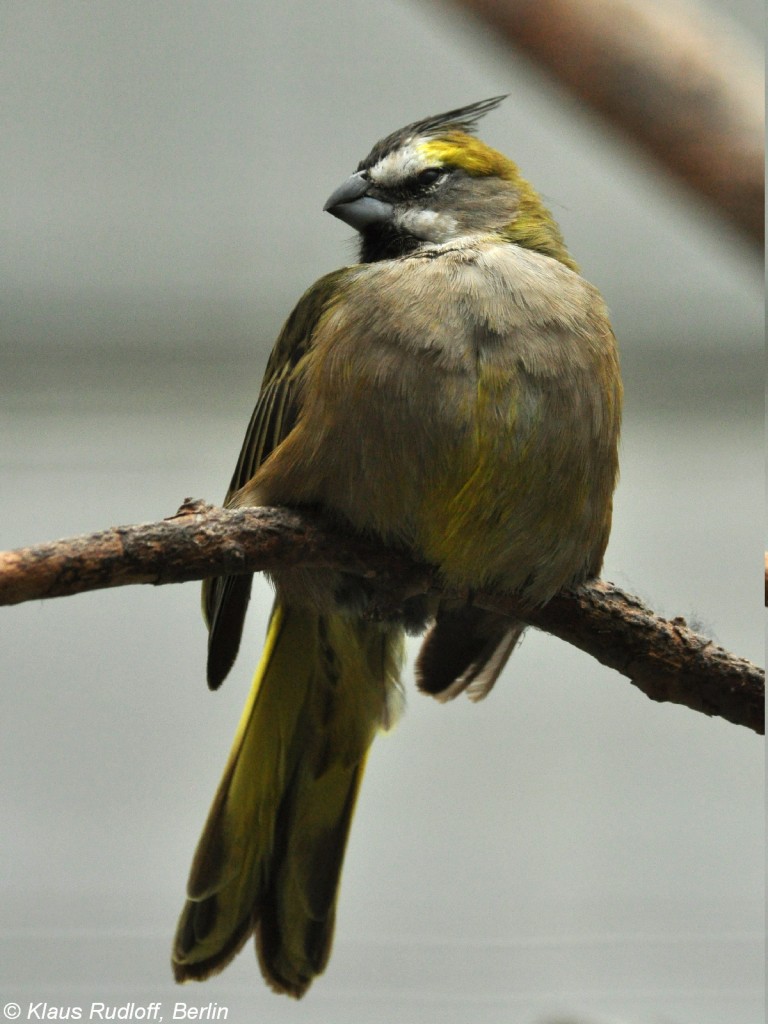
<point>480,468</point>
<point>477,486</point>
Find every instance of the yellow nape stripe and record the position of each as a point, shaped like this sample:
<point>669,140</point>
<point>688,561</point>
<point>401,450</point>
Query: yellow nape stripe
<point>533,226</point>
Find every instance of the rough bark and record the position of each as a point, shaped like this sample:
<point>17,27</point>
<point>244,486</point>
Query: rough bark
<point>665,659</point>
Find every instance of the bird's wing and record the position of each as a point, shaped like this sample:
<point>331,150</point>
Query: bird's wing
<point>225,598</point>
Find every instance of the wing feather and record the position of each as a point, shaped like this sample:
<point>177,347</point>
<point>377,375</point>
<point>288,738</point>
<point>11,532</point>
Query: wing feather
<point>225,598</point>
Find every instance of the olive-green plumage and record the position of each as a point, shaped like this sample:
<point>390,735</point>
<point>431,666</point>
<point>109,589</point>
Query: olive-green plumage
<point>456,392</point>
<point>274,841</point>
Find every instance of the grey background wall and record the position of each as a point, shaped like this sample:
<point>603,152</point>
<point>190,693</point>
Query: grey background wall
<point>568,847</point>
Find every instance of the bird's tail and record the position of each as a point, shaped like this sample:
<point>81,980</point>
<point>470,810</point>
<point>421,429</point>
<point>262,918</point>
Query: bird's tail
<point>271,853</point>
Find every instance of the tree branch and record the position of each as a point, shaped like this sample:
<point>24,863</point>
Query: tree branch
<point>665,659</point>
<point>678,83</point>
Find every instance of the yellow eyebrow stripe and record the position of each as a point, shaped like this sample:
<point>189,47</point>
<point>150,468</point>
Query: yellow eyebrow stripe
<point>469,153</point>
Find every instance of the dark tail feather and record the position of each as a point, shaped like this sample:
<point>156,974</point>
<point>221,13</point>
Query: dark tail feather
<point>465,649</point>
<point>225,602</point>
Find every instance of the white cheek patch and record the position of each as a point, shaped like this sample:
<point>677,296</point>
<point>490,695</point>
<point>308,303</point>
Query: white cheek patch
<point>427,224</point>
<point>396,167</point>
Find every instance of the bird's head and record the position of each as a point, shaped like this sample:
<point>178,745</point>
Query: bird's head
<point>434,181</point>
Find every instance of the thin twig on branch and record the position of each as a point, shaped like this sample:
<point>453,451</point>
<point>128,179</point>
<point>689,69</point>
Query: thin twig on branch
<point>665,659</point>
<point>680,84</point>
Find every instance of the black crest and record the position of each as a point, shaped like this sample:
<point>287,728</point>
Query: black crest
<point>463,119</point>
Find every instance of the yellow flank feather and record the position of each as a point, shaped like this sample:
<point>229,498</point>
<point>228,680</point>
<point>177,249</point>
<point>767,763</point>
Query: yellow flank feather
<point>271,852</point>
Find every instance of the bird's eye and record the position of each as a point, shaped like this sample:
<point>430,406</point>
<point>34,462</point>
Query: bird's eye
<point>428,176</point>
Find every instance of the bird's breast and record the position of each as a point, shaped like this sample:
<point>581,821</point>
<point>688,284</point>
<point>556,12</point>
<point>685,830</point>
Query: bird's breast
<point>451,407</point>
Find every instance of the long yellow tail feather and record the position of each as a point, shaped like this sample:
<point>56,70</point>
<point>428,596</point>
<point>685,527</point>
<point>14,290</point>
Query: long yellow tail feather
<point>271,852</point>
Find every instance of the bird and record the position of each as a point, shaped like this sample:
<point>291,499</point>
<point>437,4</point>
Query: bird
<point>455,393</point>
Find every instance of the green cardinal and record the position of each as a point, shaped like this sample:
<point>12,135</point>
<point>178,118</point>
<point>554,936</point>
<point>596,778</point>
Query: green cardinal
<point>456,392</point>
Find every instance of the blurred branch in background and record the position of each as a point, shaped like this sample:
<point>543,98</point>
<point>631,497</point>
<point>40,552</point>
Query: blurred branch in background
<point>665,659</point>
<point>682,85</point>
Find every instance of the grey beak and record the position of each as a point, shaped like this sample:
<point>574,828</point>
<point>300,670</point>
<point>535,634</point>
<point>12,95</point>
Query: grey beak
<point>351,204</point>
